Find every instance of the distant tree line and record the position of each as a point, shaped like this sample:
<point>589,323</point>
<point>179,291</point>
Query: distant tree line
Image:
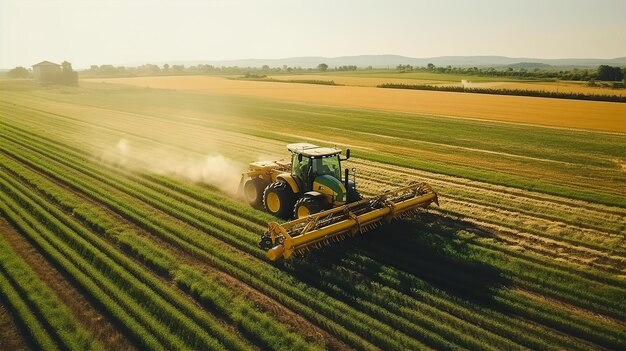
<point>264,78</point>
<point>167,69</point>
<point>18,72</point>
<point>517,92</point>
<point>603,72</point>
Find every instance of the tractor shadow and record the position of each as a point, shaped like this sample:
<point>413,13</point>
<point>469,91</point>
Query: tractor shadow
<point>429,252</point>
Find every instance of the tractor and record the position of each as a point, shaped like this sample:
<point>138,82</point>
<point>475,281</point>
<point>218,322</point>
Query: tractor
<point>311,183</point>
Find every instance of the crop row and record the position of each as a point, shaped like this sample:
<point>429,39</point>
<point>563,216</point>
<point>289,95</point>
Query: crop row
<point>31,297</point>
<point>30,228</point>
<point>155,197</point>
<point>571,321</point>
<point>35,330</point>
<point>571,207</point>
<point>582,221</point>
<point>123,121</point>
<point>219,256</point>
<point>212,202</point>
<point>271,334</point>
<point>311,272</point>
<point>397,320</point>
<point>496,226</point>
<point>332,307</point>
<point>602,277</point>
<point>168,324</point>
<point>579,241</point>
<point>497,214</point>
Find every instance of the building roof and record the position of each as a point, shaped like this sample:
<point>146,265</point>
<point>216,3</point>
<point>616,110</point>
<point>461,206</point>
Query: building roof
<point>310,150</point>
<point>46,63</point>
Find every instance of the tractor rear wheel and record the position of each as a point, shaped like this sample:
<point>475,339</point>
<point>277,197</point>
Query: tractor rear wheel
<point>278,199</point>
<point>308,205</point>
<point>253,191</point>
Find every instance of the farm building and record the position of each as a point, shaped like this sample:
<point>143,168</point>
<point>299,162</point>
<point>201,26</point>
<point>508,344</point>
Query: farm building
<point>46,71</point>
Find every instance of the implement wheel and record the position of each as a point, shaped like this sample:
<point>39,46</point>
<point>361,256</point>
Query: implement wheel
<point>308,205</point>
<point>253,191</point>
<point>278,199</point>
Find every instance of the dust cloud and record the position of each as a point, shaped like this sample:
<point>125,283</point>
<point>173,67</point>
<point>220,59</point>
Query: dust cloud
<point>214,169</point>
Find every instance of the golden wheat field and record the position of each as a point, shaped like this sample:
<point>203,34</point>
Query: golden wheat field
<point>364,81</point>
<point>590,115</point>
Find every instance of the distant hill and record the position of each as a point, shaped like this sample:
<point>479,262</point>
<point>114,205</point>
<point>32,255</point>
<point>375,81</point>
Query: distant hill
<point>530,65</point>
<point>391,61</point>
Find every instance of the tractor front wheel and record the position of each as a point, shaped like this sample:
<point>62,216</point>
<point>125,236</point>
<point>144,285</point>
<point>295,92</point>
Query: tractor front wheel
<point>278,199</point>
<point>308,205</point>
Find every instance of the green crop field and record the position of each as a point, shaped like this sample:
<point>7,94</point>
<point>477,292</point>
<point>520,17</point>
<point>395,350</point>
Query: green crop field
<point>119,229</point>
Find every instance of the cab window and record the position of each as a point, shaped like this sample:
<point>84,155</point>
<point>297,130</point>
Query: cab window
<point>327,166</point>
<point>300,169</point>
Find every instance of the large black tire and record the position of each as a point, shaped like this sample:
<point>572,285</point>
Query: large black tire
<point>308,205</point>
<point>253,191</point>
<point>279,199</point>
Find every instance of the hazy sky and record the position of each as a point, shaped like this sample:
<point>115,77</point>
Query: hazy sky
<point>87,32</point>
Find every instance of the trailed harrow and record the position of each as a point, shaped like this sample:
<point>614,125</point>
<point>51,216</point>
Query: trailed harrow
<point>349,220</point>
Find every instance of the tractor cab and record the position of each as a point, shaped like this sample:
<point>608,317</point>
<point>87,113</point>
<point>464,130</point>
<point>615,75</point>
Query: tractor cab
<point>309,162</point>
<point>317,171</point>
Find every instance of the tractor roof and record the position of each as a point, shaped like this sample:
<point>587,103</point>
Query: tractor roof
<point>310,150</point>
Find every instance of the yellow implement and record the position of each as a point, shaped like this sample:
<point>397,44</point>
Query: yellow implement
<point>351,219</point>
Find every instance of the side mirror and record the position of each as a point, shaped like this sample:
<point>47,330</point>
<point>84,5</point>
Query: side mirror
<point>347,154</point>
<point>299,157</point>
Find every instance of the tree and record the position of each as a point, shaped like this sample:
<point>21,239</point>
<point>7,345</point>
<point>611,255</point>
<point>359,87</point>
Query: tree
<point>107,70</point>
<point>166,67</point>
<point>322,67</point>
<point>18,72</point>
<point>68,76</point>
<point>265,67</point>
<point>609,73</point>
<point>430,67</point>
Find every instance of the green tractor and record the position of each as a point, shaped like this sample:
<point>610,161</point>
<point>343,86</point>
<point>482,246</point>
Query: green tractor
<point>312,182</point>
